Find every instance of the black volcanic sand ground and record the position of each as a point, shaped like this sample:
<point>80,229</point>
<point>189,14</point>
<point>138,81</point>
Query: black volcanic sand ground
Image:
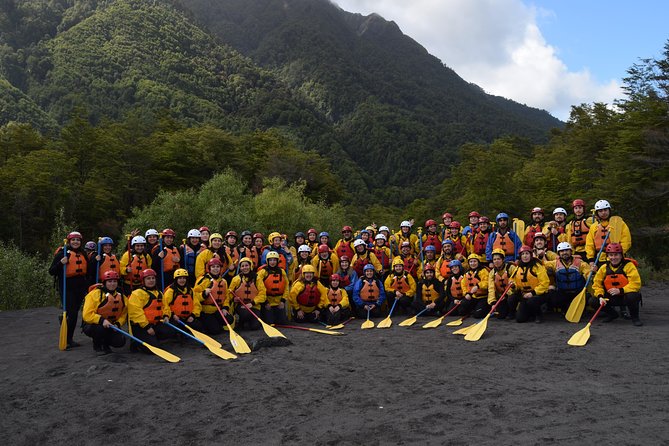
<point>520,384</point>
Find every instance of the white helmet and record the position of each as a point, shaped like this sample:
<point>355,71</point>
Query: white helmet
<point>562,246</point>
<point>304,248</point>
<point>405,223</point>
<point>151,232</point>
<point>384,228</point>
<point>602,204</point>
<point>137,239</point>
<point>359,242</point>
<point>380,237</point>
<point>194,233</point>
<point>559,210</point>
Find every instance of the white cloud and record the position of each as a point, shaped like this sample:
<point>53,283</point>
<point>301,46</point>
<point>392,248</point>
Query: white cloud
<point>497,45</point>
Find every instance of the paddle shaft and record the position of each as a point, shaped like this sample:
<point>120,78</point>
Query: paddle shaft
<point>125,333</point>
<point>97,263</point>
<point>391,308</point>
<point>183,332</point>
<point>65,280</point>
<point>594,316</point>
<point>162,270</point>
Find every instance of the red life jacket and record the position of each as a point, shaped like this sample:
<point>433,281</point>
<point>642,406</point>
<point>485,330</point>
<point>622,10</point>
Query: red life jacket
<point>480,242</point>
<point>360,263</point>
<point>310,295</point>
<point>432,240</point>
<point>344,248</point>
<point>275,283</point>
<point>382,255</point>
<point>579,231</point>
<point>111,306</point>
<point>531,230</point>
<point>345,279</point>
<point>459,248</point>
<point>411,265</point>
<point>561,230</point>
<point>182,303</point>
<point>325,268</point>
<point>370,291</point>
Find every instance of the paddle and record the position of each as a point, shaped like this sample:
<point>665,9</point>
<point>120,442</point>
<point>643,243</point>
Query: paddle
<point>367,324</point>
<point>97,262</point>
<point>478,329</point>
<point>162,270</point>
<point>412,320</point>
<point>212,348</point>
<point>238,343</point>
<point>580,338</point>
<point>315,330</point>
<point>269,330</point>
<point>339,326</point>
<point>201,336</point>
<point>435,323</point>
<point>167,356</point>
<point>387,322</point>
<point>457,322</point>
<point>62,337</point>
<point>577,305</point>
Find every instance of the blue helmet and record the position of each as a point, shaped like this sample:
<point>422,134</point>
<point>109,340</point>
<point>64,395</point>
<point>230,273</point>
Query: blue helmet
<point>448,241</point>
<point>106,241</point>
<point>430,248</point>
<point>323,234</point>
<point>501,215</point>
<point>368,266</point>
<point>364,231</point>
<point>453,263</point>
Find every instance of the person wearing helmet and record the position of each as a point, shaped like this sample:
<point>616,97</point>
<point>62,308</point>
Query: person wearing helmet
<point>473,225</point>
<point>477,242</point>
<point>277,290</point>
<point>258,248</point>
<point>531,285</point>
<point>368,294</point>
<point>475,288</point>
<point>245,247</point>
<point>429,256</point>
<point>597,233</point>
<point>247,290</point>
<point>498,280</point>
<point>215,250</point>
<point>312,239</point>
<point>307,297</point>
<point>90,249</point>
<point>385,230</point>
<point>539,249</point>
<point>205,235</point>
<point>431,236</point>
<point>145,311</point>
<point>578,228</point>
<point>404,235</point>
<point>325,263</point>
<point>400,287</point>
<point>412,263</point>
<point>382,253</point>
<point>344,246</point>
<point>365,236</point>
<point>569,273</point>
<point>104,306</point>
<point>364,257</point>
<point>133,262</point>
<point>189,250</point>
<point>617,284</point>
<point>323,239</point>
<point>230,247</point>
<point>504,238</point>
<point>536,225</point>
<point>429,293</point>
<point>169,258</point>
<point>459,240</point>
<point>303,258</point>
<point>556,230</point>
<point>300,239</point>
<point>182,302</point>
<point>285,258</point>
<point>442,268</point>
<point>211,291</point>
<point>151,236</point>
<point>446,219</point>
<point>338,307</point>
<point>106,260</point>
<point>347,276</point>
<point>453,286</point>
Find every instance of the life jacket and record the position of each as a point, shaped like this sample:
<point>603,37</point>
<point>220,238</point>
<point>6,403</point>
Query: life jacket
<point>479,242</point>
<point>137,264</point>
<point>254,255</point>
<point>459,248</point>
<point>456,287</point>
<point>111,305</point>
<point>77,264</point>
<point>109,262</point>
<point>182,302</point>
<point>528,279</point>
<point>615,278</point>
<point>383,256</point>
<point>531,230</point>
<point>411,265</point>
<point>428,292</point>
<point>298,271</point>
<point>310,295</point>
<point>561,230</point>
<point>344,248</point>
<point>153,310</point>
<point>360,263</point>
<point>335,296</point>
<point>232,252</point>
<point>282,259</point>
<point>568,278</point>
<point>504,242</point>
<point>600,235</point>
<point>344,279</point>
<point>217,292</point>
<point>432,240</point>
<point>444,269</point>
<point>247,291</point>
<point>325,269</point>
<point>275,283</point>
<point>169,265</point>
<point>222,257</point>
<point>473,280</point>
<point>501,279</point>
<point>189,258</point>
<point>370,291</point>
<point>246,251</point>
<point>579,231</point>
<point>401,238</point>
<point>400,283</point>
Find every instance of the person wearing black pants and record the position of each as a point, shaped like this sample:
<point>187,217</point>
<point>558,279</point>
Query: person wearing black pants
<point>104,306</point>
<point>401,287</point>
<point>429,293</point>
<point>145,310</point>
<point>531,283</point>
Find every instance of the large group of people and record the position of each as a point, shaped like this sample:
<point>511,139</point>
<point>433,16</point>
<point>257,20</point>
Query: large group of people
<point>212,282</point>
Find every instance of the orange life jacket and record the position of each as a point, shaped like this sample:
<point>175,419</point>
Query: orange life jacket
<point>325,268</point>
<point>111,305</point>
<point>275,283</point>
<point>473,280</point>
<point>504,242</point>
<point>335,296</point>
<point>501,279</point>
<point>345,279</point>
<point>579,231</point>
<point>137,264</point>
<point>247,291</point>
<point>456,287</point>
<point>182,303</point>
<point>344,248</point>
<point>232,252</point>
<point>310,295</point>
<point>617,278</point>
<point>217,292</point>
<point>76,264</point>
<point>600,235</point>
<point>254,255</point>
<point>153,310</point>
<point>400,283</point>
<point>109,262</point>
<point>169,265</point>
<point>370,291</point>
<point>444,269</point>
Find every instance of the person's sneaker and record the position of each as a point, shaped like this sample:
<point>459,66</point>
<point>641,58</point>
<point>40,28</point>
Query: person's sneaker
<point>73,344</point>
<point>636,322</point>
<point>611,316</point>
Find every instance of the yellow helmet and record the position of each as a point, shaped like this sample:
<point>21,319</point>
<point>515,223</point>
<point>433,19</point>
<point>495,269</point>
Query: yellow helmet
<point>398,261</point>
<point>215,235</point>
<point>499,251</point>
<point>180,273</point>
<point>246,259</point>
<point>474,256</point>
<point>272,255</point>
<point>308,269</point>
<point>272,236</point>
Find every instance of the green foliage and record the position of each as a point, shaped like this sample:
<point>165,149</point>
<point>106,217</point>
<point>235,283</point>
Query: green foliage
<point>27,284</point>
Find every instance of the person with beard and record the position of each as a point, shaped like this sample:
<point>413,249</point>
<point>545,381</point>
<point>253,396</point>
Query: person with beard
<point>247,289</point>
<point>214,251</point>
<point>531,284</point>
<point>181,302</point>
<point>556,230</point>
<point>499,278</point>
<point>307,297</point>
<point>338,308</point>
<point>277,290</point>
<point>503,238</point>
<point>104,306</point>
<point>442,268</point>
<point>368,294</point>
<point>578,228</point>
<point>570,274</point>
<point>540,250</point>
<point>536,225</point>
<point>475,288</point>
<point>400,286</point>
<point>211,287</point>
<point>429,293</point>
<point>598,231</point>
<point>145,311</point>
<point>189,251</point>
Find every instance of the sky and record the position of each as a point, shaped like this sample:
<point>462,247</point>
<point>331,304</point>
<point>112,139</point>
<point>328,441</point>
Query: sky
<point>549,54</point>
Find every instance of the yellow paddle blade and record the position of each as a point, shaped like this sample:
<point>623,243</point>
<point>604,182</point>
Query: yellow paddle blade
<point>223,354</point>
<point>465,330</point>
<point>435,323</point>
<point>327,332</point>
<point>238,343</point>
<point>271,331</point>
<point>456,323</point>
<point>367,324</point>
<point>575,310</point>
<point>209,341</point>
<point>477,331</point>
<point>386,323</point>
<point>616,228</point>
<point>334,327</point>
<point>62,336</point>
<point>580,338</point>
<point>518,227</point>
<point>167,356</point>
<point>409,322</point>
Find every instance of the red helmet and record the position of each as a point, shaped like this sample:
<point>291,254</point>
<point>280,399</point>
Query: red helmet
<point>614,247</point>
<point>231,234</point>
<point>474,214</point>
<point>335,277</point>
<point>484,219</point>
<point>430,222</point>
<point>258,235</point>
<point>169,232</point>
<point>344,259</point>
<point>454,225</point>
<point>204,228</point>
<point>523,249</point>
<point>147,273</point>
<point>110,275</point>
<point>577,202</point>
<point>215,261</point>
<point>347,228</point>
<point>323,248</point>
<point>428,267</point>
<point>312,231</point>
<point>446,215</point>
<point>537,210</point>
<point>74,234</point>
